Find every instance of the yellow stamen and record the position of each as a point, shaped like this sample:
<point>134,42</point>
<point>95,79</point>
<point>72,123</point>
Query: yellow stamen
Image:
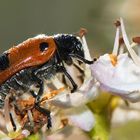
<point>64,122</point>
<point>52,94</point>
<point>31,101</point>
<point>113,59</point>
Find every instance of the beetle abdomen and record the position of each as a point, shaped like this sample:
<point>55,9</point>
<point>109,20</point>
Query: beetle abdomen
<point>19,83</point>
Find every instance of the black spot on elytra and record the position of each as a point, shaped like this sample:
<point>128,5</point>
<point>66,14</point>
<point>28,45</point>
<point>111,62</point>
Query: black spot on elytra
<point>43,46</point>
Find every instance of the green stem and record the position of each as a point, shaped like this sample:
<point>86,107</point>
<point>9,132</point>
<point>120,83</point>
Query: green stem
<point>102,110</point>
<point>101,130</point>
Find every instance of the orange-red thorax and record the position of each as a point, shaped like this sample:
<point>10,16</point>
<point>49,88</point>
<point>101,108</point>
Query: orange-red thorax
<point>27,54</point>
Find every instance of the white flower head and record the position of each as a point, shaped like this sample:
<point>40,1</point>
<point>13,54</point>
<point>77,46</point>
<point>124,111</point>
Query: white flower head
<point>117,72</point>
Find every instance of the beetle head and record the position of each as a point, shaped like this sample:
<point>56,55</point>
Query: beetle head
<point>68,46</point>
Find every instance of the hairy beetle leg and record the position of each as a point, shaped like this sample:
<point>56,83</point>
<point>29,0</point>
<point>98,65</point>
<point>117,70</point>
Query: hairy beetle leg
<point>62,69</point>
<point>45,112</point>
<point>41,86</point>
<point>13,123</point>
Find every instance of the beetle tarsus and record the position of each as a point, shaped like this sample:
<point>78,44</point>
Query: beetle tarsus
<point>74,88</point>
<point>13,123</point>
<point>49,125</point>
<point>45,112</point>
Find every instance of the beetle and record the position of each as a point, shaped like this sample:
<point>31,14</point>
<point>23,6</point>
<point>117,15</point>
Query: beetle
<point>32,60</point>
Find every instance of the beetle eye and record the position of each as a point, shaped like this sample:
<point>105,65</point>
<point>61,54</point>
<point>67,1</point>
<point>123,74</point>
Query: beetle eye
<point>43,46</point>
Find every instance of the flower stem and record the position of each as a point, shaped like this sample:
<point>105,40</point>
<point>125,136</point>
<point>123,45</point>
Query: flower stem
<point>102,109</point>
<point>101,130</point>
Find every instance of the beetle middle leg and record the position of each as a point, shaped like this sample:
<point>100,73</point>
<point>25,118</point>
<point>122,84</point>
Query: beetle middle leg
<point>38,97</point>
<point>63,69</point>
<point>41,87</point>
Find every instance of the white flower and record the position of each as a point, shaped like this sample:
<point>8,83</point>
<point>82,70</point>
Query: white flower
<point>76,116</point>
<point>117,72</point>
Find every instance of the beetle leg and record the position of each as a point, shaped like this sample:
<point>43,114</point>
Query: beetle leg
<point>33,93</point>
<point>41,85</point>
<point>62,69</point>
<point>45,112</point>
<point>13,123</point>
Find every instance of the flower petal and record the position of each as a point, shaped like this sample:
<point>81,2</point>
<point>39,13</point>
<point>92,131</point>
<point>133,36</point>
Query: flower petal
<point>87,92</point>
<point>122,79</point>
<point>78,117</point>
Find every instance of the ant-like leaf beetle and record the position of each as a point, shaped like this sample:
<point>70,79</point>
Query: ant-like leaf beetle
<point>29,62</point>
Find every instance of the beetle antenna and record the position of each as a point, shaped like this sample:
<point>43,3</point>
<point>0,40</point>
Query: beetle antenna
<point>83,59</point>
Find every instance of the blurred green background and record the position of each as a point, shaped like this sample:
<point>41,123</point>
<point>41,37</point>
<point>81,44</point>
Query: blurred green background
<point>21,19</point>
